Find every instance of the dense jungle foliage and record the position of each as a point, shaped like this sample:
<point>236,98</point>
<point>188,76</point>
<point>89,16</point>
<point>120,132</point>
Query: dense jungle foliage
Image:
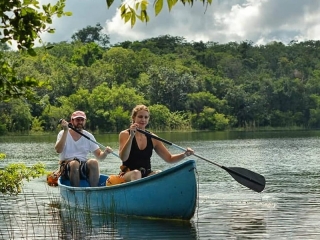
<point>187,85</point>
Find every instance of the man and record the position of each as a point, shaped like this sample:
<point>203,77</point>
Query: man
<point>73,150</point>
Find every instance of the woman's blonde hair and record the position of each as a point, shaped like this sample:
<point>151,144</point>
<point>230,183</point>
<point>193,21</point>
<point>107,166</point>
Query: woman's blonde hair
<point>138,108</point>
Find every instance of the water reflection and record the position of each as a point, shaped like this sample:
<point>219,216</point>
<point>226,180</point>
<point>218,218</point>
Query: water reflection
<point>77,224</point>
<point>31,216</point>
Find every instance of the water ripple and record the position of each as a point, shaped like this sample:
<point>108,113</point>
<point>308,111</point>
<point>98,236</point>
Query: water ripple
<point>288,208</point>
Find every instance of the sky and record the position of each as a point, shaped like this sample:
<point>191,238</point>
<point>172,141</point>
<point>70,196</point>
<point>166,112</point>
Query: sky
<point>224,21</point>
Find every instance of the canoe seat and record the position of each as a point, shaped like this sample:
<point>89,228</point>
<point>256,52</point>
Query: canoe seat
<point>85,183</point>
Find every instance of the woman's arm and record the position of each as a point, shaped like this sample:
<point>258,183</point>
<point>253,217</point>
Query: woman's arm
<point>164,153</point>
<point>125,143</point>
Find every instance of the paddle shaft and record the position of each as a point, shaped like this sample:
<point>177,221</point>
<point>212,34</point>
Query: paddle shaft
<point>244,176</point>
<point>176,146</point>
<point>99,144</point>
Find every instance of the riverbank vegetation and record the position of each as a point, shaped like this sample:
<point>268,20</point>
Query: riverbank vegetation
<point>13,175</point>
<point>188,85</point>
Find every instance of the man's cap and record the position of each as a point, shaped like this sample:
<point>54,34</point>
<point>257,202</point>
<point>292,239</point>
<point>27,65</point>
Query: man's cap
<point>78,114</point>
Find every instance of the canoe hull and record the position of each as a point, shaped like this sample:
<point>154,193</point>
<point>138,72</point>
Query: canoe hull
<point>171,194</point>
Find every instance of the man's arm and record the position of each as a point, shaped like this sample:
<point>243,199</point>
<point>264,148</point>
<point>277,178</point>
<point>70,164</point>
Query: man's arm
<point>62,140</point>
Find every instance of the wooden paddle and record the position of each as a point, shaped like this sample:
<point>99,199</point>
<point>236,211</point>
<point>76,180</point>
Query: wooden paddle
<point>247,178</point>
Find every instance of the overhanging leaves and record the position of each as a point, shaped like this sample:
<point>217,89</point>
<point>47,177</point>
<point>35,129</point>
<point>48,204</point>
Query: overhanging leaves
<point>130,13</point>
<point>22,22</point>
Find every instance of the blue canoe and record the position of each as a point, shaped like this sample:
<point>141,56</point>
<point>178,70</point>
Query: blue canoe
<point>170,194</point>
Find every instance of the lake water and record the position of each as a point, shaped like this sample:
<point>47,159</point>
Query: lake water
<point>288,208</point>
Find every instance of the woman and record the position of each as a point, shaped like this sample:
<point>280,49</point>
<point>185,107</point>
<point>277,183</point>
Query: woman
<point>135,148</point>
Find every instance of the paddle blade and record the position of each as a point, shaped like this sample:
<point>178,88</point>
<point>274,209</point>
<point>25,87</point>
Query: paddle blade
<point>247,178</point>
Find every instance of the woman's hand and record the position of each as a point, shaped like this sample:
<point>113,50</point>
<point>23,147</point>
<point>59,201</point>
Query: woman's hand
<point>133,129</point>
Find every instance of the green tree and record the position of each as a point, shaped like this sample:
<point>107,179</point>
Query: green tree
<point>52,114</point>
<point>169,87</point>
<point>62,50</point>
<point>104,103</point>
<point>159,117</point>
<point>22,22</point>
<point>36,126</point>
<point>20,116</point>
<point>237,98</point>
<point>92,34</point>
<point>313,83</point>
<point>10,84</point>
<point>65,79</point>
<point>314,120</point>
<point>123,65</point>
<point>179,121</point>
<point>119,118</point>
<point>198,101</point>
<point>209,119</point>
<point>87,54</point>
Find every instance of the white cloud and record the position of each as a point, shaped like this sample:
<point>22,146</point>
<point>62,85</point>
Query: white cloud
<point>259,21</point>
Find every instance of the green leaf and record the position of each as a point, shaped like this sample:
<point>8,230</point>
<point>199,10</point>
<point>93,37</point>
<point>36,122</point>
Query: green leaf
<point>23,12</point>
<point>171,3</point>
<point>137,5</point>
<point>127,17</point>
<point>53,9</point>
<point>45,8</point>
<point>158,6</point>
<point>144,5</point>
<point>109,3</point>
<point>32,52</point>
<point>123,10</point>
<point>144,16</point>
<point>133,20</point>
<point>49,47</point>
<point>68,14</point>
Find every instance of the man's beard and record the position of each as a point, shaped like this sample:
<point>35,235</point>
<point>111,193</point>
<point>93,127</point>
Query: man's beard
<point>79,127</point>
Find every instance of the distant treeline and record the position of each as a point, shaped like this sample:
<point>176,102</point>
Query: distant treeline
<point>187,85</point>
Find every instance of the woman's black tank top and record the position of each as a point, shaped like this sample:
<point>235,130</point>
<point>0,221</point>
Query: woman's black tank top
<point>140,158</point>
